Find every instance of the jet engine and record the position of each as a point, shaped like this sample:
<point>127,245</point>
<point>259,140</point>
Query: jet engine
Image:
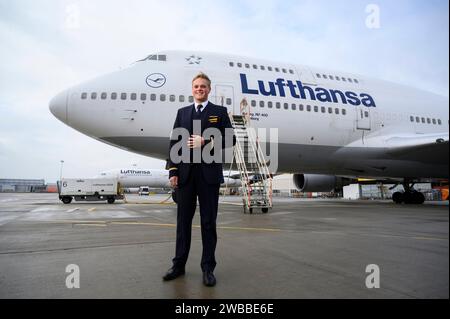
<point>318,183</point>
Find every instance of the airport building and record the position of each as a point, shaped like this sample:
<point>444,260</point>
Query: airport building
<point>22,185</point>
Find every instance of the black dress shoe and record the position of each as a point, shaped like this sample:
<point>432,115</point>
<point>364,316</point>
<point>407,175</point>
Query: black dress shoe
<point>208,279</point>
<point>173,273</point>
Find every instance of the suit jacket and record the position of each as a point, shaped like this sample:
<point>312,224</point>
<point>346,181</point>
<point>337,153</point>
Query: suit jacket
<point>212,116</point>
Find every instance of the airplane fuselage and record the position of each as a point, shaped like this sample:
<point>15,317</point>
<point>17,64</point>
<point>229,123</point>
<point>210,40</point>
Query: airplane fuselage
<point>328,122</point>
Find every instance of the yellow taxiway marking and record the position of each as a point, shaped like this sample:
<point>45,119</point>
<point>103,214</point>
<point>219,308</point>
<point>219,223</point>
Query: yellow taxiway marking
<point>104,223</point>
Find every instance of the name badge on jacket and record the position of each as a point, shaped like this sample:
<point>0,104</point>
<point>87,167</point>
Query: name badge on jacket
<point>213,119</point>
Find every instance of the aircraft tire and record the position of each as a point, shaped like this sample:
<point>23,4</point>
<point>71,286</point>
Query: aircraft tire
<point>397,197</point>
<point>418,198</point>
<point>414,197</point>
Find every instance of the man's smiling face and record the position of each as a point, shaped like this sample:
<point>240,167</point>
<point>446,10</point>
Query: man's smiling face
<point>200,90</point>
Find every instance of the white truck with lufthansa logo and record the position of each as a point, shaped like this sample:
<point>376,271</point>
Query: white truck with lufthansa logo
<point>89,189</point>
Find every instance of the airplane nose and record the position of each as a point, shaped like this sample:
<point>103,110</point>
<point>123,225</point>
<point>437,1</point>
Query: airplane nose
<point>58,106</point>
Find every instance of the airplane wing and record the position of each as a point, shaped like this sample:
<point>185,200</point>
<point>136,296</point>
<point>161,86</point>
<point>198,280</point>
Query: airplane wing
<point>422,148</point>
<point>426,148</point>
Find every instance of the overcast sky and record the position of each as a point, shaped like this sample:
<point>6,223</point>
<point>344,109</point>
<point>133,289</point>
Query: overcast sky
<point>47,46</point>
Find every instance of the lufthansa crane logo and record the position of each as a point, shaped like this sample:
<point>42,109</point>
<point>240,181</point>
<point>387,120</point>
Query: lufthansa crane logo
<point>155,80</point>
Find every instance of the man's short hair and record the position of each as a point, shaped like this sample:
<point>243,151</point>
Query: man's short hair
<point>202,75</point>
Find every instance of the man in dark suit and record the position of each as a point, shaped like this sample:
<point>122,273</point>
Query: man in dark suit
<point>197,176</point>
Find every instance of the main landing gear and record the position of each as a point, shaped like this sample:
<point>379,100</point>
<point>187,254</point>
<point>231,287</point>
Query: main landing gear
<point>409,196</point>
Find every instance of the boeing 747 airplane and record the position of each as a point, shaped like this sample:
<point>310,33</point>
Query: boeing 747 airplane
<point>332,125</point>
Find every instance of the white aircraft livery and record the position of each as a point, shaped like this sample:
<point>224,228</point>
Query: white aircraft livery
<point>331,125</point>
<point>154,178</point>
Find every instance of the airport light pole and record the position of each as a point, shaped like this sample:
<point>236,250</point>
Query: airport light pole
<point>60,172</point>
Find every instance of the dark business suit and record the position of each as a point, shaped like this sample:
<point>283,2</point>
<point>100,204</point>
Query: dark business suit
<point>199,179</point>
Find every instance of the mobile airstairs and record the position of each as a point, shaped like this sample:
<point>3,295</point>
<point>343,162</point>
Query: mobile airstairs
<point>256,181</point>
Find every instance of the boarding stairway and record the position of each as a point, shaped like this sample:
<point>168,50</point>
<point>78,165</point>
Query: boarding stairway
<point>256,181</point>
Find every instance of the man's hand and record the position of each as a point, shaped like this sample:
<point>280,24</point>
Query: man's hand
<point>195,141</point>
<point>174,181</point>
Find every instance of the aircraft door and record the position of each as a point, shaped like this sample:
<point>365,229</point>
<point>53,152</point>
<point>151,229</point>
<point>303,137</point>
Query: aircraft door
<point>225,97</point>
<point>363,118</point>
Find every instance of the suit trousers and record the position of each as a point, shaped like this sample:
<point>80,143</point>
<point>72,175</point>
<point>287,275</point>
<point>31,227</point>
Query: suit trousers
<point>208,198</point>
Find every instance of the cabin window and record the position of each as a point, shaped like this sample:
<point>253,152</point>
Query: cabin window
<point>113,96</point>
<point>269,104</point>
<point>338,78</point>
<point>93,95</point>
<point>316,108</point>
<point>103,95</point>
<point>247,65</point>
<point>331,77</point>
<point>330,110</point>
<point>231,64</point>
<point>355,80</point>
<point>269,68</point>
<point>162,97</point>
<point>300,107</point>
<point>123,96</point>
<point>324,76</point>
<point>191,99</point>
<point>255,66</point>
<point>344,111</point>
<point>350,80</point>
<point>143,96</point>
<point>277,70</point>
<point>434,121</point>
<point>181,98</point>
<point>336,110</point>
<point>428,120</point>
<point>344,79</point>
<point>261,103</point>
<point>262,67</point>
<point>278,105</point>
<point>284,70</point>
<point>228,101</point>
<point>411,118</point>
<point>153,97</point>
<point>239,65</point>
<point>308,108</point>
<point>294,107</point>
<point>253,103</point>
<point>172,98</point>
<point>133,96</point>
<point>84,95</point>
<point>439,122</point>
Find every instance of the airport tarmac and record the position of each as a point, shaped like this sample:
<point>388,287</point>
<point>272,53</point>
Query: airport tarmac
<point>302,248</point>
